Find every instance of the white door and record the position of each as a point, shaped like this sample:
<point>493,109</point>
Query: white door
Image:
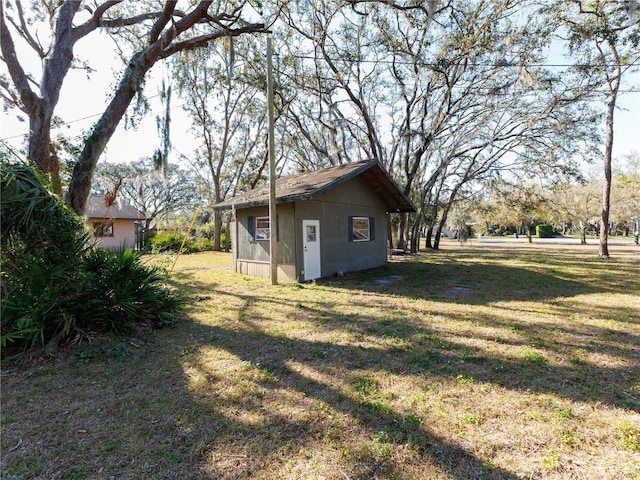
<point>311,246</point>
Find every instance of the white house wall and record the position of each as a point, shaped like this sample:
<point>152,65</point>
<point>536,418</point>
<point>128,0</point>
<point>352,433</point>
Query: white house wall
<point>124,234</point>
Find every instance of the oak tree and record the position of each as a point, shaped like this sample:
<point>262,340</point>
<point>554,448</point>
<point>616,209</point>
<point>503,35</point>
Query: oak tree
<point>154,35</point>
<point>604,38</point>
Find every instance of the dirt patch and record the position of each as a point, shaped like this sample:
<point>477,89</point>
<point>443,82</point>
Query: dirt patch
<point>384,280</point>
<point>457,292</point>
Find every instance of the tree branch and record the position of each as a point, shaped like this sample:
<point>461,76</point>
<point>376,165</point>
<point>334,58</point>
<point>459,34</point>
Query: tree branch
<point>95,21</point>
<point>20,79</point>
<point>196,42</point>
<point>10,96</point>
<point>24,31</point>
<point>138,67</point>
<point>166,15</point>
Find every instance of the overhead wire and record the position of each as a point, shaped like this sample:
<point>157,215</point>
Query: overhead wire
<point>388,62</point>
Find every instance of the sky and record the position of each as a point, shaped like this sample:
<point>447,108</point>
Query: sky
<point>84,98</point>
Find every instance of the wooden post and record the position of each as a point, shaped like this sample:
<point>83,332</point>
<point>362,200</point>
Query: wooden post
<point>273,245</point>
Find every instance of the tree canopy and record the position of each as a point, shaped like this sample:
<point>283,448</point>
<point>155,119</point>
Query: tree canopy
<point>449,96</point>
<point>151,34</point>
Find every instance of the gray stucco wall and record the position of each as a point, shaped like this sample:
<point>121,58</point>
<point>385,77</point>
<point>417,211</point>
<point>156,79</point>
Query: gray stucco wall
<point>333,209</point>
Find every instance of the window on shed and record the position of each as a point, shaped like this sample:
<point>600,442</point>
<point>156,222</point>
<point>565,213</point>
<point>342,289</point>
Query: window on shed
<point>103,229</point>
<point>262,228</point>
<point>360,229</point>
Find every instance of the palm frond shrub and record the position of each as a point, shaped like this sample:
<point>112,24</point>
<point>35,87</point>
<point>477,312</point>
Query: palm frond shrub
<point>55,282</point>
<point>121,293</point>
<point>42,242</point>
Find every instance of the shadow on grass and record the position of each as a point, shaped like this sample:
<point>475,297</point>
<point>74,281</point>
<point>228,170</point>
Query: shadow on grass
<point>419,352</point>
<point>575,379</point>
<point>458,281</point>
<point>276,357</point>
<point>240,436</point>
<point>148,417</point>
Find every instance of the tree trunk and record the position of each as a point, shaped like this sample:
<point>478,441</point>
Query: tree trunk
<point>427,242</point>
<point>217,198</point>
<point>415,235</point>
<point>217,227</point>
<point>434,215</point>
<point>613,81</point>
<point>54,166</point>
<point>227,238</point>
<point>40,137</point>
<point>402,244</point>
<point>441,224</point>
<point>436,238</point>
<point>80,184</point>
<point>606,189</point>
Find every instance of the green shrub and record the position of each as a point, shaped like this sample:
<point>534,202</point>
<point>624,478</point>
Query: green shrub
<point>120,292</point>
<point>544,230</point>
<point>170,242</point>
<point>201,245</point>
<point>207,230</point>
<point>55,282</point>
<point>42,242</point>
<point>165,242</point>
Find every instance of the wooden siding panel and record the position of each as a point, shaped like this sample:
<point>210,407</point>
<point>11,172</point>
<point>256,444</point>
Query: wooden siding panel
<point>333,210</point>
<point>286,273</point>
<point>258,250</point>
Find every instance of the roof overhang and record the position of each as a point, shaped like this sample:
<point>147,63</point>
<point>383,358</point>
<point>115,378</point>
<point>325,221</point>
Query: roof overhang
<point>306,186</point>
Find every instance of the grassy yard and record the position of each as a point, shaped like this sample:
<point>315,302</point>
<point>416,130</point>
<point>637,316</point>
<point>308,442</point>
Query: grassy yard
<point>494,361</point>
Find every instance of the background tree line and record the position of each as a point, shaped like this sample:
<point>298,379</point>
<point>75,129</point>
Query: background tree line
<point>573,207</point>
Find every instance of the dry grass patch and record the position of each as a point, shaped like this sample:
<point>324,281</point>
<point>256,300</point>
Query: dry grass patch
<point>496,361</point>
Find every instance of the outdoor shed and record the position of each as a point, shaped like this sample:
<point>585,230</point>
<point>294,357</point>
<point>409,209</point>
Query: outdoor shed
<point>113,227</point>
<point>328,221</point>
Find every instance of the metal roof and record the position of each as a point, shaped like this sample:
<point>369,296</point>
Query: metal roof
<point>96,208</point>
<point>309,185</point>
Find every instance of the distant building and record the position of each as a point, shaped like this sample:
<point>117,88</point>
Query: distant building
<point>328,221</point>
<point>113,227</point>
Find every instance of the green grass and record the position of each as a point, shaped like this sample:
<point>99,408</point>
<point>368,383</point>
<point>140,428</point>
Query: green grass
<point>499,361</point>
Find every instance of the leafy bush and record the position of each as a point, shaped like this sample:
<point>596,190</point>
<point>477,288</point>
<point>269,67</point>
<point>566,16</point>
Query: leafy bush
<point>42,241</point>
<point>165,242</point>
<point>171,242</point>
<point>544,230</point>
<point>120,292</point>
<point>207,230</point>
<point>54,282</point>
<point>201,245</point>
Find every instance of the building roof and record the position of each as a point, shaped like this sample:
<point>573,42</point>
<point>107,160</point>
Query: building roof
<point>96,208</point>
<point>309,185</point>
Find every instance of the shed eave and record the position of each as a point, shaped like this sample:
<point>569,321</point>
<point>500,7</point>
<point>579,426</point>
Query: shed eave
<point>379,180</point>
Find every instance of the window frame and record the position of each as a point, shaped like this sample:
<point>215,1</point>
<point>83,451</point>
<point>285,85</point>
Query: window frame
<point>354,229</point>
<point>99,229</point>
<point>262,234</point>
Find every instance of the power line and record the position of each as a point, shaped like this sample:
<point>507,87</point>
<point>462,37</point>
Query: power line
<point>66,124</point>
<point>488,65</point>
<point>387,62</point>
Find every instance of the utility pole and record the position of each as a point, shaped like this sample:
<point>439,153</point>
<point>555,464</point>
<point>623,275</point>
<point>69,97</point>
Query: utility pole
<point>273,240</point>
